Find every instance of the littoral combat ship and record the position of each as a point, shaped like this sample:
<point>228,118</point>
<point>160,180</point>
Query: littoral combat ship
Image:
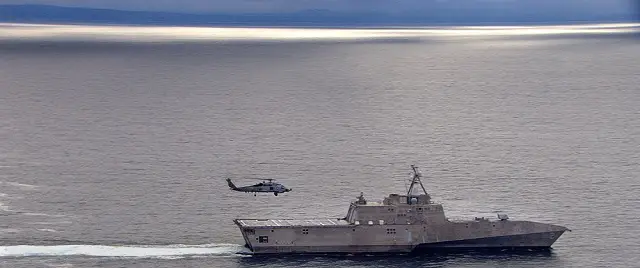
<point>408,223</point>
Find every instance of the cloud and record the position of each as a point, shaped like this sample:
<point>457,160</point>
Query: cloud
<point>390,6</point>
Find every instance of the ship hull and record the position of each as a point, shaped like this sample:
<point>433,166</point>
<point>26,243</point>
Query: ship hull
<point>527,242</point>
<point>371,250</point>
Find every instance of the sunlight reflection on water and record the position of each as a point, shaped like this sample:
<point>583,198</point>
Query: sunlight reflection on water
<point>184,34</point>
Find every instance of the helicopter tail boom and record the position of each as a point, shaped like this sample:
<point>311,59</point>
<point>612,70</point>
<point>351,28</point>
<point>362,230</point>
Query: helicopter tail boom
<point>231,185</point>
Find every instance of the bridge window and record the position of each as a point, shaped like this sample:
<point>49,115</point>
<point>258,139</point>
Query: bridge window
<point>305,231</point>
<point>391,231</point>
<point>263,239</point>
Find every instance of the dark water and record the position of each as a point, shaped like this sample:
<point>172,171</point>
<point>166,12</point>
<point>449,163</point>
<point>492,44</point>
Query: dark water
<point>113,152</point>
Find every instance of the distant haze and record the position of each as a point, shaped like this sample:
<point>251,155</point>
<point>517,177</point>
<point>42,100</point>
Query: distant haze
<point>392,6</point>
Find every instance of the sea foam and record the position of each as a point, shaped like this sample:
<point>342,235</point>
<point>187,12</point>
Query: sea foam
<point>138,251</point>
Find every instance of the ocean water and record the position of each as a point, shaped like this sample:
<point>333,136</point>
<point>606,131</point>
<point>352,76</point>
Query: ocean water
<point>115,141</point>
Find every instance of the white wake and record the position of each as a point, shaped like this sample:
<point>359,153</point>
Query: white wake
<point>138,251</point>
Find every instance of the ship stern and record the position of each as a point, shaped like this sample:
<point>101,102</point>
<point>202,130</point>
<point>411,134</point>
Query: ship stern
<point>245,234</point>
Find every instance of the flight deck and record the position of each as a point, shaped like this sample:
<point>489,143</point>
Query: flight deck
<point>289,222</point>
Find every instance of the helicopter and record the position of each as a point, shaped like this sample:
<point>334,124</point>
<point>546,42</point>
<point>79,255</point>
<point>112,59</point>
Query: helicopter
<point>266,186</point>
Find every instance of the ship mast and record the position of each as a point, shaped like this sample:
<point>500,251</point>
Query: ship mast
<point>415,180</point>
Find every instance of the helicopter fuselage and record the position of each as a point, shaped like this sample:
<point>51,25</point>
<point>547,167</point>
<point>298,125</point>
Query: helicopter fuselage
<point>263,187</point>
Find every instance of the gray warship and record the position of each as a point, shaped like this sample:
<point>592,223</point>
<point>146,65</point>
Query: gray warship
<point>410,223</point>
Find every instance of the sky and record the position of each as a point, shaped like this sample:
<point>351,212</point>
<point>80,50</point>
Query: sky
<point>389,6</point>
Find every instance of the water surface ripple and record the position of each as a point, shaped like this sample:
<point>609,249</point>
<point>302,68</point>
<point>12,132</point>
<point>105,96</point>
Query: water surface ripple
<point>113,153</point>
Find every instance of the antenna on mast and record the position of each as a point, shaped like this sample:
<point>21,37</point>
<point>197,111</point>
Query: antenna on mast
<point>416,180</point>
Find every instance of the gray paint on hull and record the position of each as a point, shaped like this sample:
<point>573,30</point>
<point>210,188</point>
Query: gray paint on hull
<point>332,250</point>
<point>536,240</point>
<point>526,241</point>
